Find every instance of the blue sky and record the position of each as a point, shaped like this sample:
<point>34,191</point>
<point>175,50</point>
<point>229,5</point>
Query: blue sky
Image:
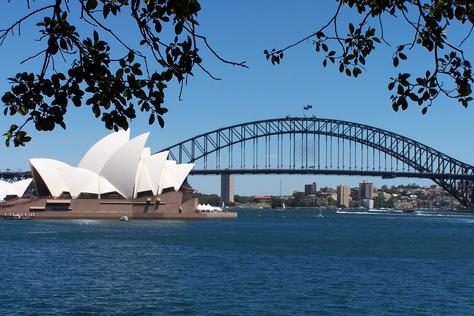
<point>242,32</point>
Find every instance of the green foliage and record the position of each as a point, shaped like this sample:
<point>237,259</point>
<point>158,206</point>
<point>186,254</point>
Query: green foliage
<point>452,73</point>
<point>379,201</point>
<point>332,202</point>
<point>112,87</point>
<point>211,199</point>
<point>243,199</point>
<point>391,202</point>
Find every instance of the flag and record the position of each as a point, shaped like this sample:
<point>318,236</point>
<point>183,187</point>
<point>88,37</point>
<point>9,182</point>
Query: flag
<point>307,107</point>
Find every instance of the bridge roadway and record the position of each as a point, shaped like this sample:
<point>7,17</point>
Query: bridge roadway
<point>16,175</point>
<point>383,174</point>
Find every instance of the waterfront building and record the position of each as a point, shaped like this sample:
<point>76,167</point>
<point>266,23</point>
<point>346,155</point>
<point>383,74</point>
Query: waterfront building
<point>355,194</point>
<point>118,176</point>
<point>310,188</point>
<point>262,199</point>
<point>366,190</point>
<point>114,166</point>
<point>343,195</point>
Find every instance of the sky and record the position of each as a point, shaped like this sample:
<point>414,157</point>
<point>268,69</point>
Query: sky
<point>241,31</point>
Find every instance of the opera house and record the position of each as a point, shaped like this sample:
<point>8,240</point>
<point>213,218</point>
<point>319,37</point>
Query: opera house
<point>117,177</point>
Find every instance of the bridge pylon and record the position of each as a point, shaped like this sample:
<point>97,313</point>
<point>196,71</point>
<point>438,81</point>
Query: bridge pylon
<point>227,188</point>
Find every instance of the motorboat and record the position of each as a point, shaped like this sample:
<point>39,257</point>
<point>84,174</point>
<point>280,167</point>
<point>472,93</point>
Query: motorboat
<point>124,218</point>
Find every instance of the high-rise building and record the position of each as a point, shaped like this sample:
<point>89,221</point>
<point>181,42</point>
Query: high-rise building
<point>366,190</point>
<point>343,194</point>
<point>355,194</point>
<point>310,188</point>
<point>227,188</point>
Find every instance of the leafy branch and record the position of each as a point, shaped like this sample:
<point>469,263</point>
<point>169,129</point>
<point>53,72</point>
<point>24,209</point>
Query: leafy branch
<point>113,87</point>
<point>451,74</point>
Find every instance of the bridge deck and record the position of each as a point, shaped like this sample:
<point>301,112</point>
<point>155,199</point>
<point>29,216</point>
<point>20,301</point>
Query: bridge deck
<point>383,174</point>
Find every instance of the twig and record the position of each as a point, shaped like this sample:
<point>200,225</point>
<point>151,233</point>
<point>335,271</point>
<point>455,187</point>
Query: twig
<point>18,22</point>
<point>312,34</point>
<point>467,36</point>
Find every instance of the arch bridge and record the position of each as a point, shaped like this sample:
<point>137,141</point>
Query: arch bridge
<point>318,146</point>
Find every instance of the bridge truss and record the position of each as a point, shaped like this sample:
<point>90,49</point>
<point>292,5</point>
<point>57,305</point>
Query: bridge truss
<point>311,145</point>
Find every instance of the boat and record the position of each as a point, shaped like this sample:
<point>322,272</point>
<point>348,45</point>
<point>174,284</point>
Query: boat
<point>224,208</point>
<point>280,208</point>
<point>283,206</point>
<point>124,218</point>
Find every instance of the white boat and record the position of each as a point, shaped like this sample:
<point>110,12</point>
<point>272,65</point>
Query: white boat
<point>280,209</point>
<point>384,210</point>
<point>283,206</point>
<point>124,218</point>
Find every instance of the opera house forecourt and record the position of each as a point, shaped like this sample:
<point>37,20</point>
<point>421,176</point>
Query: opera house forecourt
<point>117,177</point>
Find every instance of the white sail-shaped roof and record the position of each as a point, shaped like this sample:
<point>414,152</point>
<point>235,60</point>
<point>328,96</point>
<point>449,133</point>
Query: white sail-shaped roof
<point>75,178</point>
<point>19,187</point>
<point>121,168</point>
<point>50,172</point>
<point>98,155</point>
<point>79,180</point>
<point>174,175</point>
<point>3,189</point>
<point>143,181</point>
<point>166,180</point>
<point>181,172</point>
<point>150,172</point>
<point>146,152</point>
<point>99,185</point>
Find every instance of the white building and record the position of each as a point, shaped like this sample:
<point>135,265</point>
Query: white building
<point>115,166</point>
<point>13,189</point>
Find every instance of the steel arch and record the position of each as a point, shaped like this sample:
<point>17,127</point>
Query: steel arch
<point>453,175</point>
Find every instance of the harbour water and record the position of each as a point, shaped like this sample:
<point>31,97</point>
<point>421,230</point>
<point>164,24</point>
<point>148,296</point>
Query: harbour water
<point>284,263</point>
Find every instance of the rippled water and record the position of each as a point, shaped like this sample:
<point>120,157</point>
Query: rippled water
<point>273,263</point>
